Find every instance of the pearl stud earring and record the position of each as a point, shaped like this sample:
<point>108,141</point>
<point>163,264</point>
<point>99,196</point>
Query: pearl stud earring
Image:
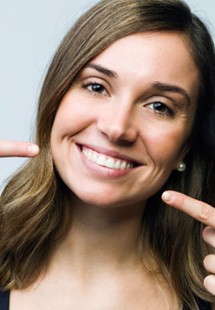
<point>181,166</point>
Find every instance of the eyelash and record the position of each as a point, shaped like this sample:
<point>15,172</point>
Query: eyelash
<point>89,84</point>
<point>167,111</point>
<point>86,86</point>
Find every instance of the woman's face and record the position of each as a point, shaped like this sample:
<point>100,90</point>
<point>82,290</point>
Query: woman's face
<point>122,127</point>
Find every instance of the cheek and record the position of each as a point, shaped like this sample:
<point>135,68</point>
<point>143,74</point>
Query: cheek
<point>69,120</point>
<point>164,146</point>
<point>62,127</point>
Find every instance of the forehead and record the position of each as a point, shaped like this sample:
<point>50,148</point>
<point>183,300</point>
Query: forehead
<point>153,56</point>
<point>165,48</point>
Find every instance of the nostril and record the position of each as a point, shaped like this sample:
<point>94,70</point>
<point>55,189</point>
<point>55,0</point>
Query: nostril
<point>118,125</point>
<point>119,134</point>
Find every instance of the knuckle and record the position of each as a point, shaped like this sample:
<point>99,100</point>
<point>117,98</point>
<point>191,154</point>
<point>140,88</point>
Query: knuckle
<point>205,213</point>
<point>18,149</point>
<point>209,283</point>
<point>209,262</point>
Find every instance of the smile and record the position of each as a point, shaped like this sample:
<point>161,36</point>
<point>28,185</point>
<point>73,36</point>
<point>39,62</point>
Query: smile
<point>106,161</point>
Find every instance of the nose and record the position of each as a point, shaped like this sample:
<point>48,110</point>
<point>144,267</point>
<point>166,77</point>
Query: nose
<point>118,123</point>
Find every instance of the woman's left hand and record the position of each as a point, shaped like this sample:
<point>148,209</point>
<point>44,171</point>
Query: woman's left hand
<point>205,214</point>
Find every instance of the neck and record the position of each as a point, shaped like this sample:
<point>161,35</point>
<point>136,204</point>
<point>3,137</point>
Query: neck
<point>101,255</point>
<point>102,237</point>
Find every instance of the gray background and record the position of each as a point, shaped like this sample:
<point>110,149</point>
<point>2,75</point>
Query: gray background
<point>30,31</point>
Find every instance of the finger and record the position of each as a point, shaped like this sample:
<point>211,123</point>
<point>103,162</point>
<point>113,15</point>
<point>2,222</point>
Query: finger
<point>18,149</point>
<point>208,235</point>
<point>209,263</point>
<point>209,283</point>
<point>195,208</point>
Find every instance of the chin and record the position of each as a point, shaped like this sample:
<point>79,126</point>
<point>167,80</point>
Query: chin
<point>102,201</point>
<point>105,199</point>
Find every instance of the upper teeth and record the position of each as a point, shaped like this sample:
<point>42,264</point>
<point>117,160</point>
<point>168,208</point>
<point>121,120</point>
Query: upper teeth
<point>106,161</point>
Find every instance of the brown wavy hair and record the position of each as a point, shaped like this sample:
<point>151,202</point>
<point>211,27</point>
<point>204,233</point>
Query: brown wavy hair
<point>33,216</point>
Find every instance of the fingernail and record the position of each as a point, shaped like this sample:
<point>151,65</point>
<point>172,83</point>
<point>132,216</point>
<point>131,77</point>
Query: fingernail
<point>33,149</point>
<point>167,196</point>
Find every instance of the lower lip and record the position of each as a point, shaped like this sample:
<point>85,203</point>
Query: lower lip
<point>101,170</point>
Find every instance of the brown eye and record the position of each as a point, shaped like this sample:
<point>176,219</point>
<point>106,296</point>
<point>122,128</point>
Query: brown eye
<point>161,108</point>
<point>96,87</point>
<point>158,106</point>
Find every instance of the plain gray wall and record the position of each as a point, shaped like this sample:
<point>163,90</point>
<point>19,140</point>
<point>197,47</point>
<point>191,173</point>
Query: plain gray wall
<point>30,31</point>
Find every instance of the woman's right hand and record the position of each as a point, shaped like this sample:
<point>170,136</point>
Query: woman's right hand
<point>18,149</point>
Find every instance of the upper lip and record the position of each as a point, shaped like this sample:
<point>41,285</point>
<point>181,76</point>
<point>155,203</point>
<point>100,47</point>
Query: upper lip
<point>111,153</point>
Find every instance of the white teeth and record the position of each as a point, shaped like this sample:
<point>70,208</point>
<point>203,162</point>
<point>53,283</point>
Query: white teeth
<point>94,157</point>
<point>109,163</point>
<point>117,164</point>
<point>123,165</point>
<point>100,160</point>
<point>106,161</point>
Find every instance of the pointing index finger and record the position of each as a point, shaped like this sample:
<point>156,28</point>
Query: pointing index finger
<point>18,149</point>
<point>197,209</point>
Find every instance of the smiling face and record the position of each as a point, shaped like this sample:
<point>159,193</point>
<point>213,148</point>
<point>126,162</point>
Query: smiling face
<point>122,127</point>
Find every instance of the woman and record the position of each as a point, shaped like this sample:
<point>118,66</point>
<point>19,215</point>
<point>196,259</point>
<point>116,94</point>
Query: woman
<point>125,116</point>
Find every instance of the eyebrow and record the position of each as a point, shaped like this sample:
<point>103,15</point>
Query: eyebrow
<point>172,88</point>
<point>103,70</point>
<point>157,85</point>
